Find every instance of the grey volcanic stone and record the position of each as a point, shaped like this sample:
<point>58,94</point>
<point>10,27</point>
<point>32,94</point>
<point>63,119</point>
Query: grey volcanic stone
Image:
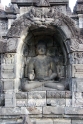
<point>53,110</point>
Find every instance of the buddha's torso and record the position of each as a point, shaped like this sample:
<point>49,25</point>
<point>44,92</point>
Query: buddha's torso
<point>42,67</point>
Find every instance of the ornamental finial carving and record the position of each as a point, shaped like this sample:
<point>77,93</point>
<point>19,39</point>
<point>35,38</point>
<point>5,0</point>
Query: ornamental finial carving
<point>43,3</point>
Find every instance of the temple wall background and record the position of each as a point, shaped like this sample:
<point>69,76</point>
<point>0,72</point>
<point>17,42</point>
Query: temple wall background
<point>18,26</point>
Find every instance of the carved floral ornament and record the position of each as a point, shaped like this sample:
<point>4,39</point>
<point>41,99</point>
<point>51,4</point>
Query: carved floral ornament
<point>44,16</point>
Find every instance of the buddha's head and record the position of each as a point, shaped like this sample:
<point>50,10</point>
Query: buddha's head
<point>41,48</point>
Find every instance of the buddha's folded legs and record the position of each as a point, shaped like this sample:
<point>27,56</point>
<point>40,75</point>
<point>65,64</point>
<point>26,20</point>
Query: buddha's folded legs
<point>57,86</point>
<point>27,86</point>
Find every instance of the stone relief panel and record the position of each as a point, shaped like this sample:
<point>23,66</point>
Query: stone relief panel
<point>77,64</point>
<point>77,85</point>
<point>42,17</point>
<point>43,3</point>
<point>3,27</point>
<point>77,58</point>
<point>12,44</point>
<point>77,99</point>
<point>8,65</point>
<point>8,58</point>
<point>74,45</point>
<point>79,8</point>
<point>8,77</point>
<point>77,70</point>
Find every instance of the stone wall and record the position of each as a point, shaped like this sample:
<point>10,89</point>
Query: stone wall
<point>22,22</point>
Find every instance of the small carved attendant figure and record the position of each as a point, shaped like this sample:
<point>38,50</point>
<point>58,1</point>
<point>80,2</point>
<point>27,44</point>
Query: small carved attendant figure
<point>43,3</point>
<point>42,71</point>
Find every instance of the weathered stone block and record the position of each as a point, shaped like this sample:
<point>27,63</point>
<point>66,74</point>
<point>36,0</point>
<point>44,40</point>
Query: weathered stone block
<point>62,121</point>
<point>54,1</point>
<point>73,110</point>
<point>8,58</point>
<point>77,121</point>
<point>77,70</point>
<point>68,102</point>
<point>36,102</point>
<point>10,99</point>
<point>44,121</point>
<point>21,95</point>
<point>77,84</point>
<point>55,94</point>
<point>12,44</point>
<point>77,99</point>
<point>68,94</point>
<point>21,102</point>
<point>80,86</point>
<point>8,71</point>
<point>35,110</point>
<point>9,95</point>
<point>79,102</point>
<point>10,102</point>
<point>8,84</point>
<point>56,102</point>
<point>14,111</point>
<point>77,57</point>
<point>37,95</point>
<point>5,121</point>
<point>3,25</point>
<point>7,67</point>
<point>53,110</point>
<point>35,116</point>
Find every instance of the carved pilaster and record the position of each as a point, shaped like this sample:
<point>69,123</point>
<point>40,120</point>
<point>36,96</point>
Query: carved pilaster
<point>80,20</point>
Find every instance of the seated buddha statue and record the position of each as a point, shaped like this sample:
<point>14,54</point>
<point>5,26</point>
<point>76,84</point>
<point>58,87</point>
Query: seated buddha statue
<point>42,71</point>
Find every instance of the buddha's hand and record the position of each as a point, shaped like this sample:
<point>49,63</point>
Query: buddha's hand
<point>31,77</point>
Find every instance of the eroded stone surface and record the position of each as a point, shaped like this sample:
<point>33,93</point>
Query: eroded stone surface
<point>56,102</point>
<point>62,121</point>
<point>37,102</point>
<point>21,95</point>
<point>77,121</point>
<point>34,110</point>
<point>58,30</point>
<point>37,95</point>
<point>21,102</point>
<point>73,110</point>
<point>56,94</point>
<point>53,110</point>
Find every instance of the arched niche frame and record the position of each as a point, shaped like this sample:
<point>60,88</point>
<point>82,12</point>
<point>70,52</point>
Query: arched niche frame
<point>58,26</point>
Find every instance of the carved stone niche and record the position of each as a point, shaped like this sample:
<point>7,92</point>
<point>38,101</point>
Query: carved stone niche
<point>45,70</point>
